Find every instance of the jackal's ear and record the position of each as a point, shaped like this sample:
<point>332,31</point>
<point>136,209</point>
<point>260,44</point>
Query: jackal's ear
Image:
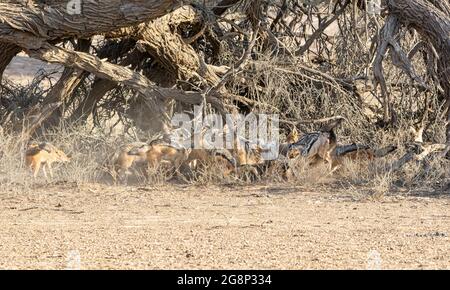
<point>293,153</point>
<point>146,148</point>
<point>33,144</point>
<point>293,136</point>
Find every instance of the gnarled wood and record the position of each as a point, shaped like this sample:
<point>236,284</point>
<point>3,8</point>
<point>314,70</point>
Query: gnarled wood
<point>53,20</point>
<point>433,24</point>
<point>161,40</point>
<point>8,52</point>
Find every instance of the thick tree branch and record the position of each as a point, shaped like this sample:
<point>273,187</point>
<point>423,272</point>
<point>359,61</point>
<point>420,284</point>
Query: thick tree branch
<point>8,52</point>
<point>432,22</point>
<point>55,21</point>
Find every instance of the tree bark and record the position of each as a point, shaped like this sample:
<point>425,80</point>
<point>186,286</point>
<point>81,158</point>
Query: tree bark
<point>223,6</point>
<point>65,87</point>
<point>160,38</point>
<point>433,24</point>
<point>162,41</point>
<point>100,87</point>
<point>53,20</point>
<point>9,51</point>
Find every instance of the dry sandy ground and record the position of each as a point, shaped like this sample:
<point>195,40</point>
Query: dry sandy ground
<point>178,227</point>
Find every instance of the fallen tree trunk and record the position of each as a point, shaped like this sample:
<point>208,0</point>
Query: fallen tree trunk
<point>57,19</point>
<point>160,38</point>
<point>117,73</point>
<point>418,153</point>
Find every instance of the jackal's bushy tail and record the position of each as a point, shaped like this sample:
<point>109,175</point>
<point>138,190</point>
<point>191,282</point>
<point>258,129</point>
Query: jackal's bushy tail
<point>385,151</point>
<point>346,149</point>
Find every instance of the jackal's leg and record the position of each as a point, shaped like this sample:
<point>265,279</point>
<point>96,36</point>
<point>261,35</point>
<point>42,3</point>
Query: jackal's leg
<point>152,163</point>
<point>177,164</point>
<point>329,158</point>
<point>123,175</point>
<point>333,163</point>
<point>124,178</point>
<point>45,172</point>
<point>313,160</point>
<point>50,170</point>
<point>153,160</point>
<point>35,168</point>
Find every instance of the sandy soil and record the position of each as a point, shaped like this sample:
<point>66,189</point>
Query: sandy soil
<point>178,227</point>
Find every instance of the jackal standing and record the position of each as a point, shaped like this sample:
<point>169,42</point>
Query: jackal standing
<point>44,154</point>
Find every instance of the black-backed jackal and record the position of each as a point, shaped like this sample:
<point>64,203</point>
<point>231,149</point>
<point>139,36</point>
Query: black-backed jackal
<point>204,157</point>
<point>359,152</point>
<point>159,151</point>
<point>43,154</point>
<point>249,159</point>
<point>245,155</point>
<point>317,146</point>
<point>291,138</point>
<point>123,161</point>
